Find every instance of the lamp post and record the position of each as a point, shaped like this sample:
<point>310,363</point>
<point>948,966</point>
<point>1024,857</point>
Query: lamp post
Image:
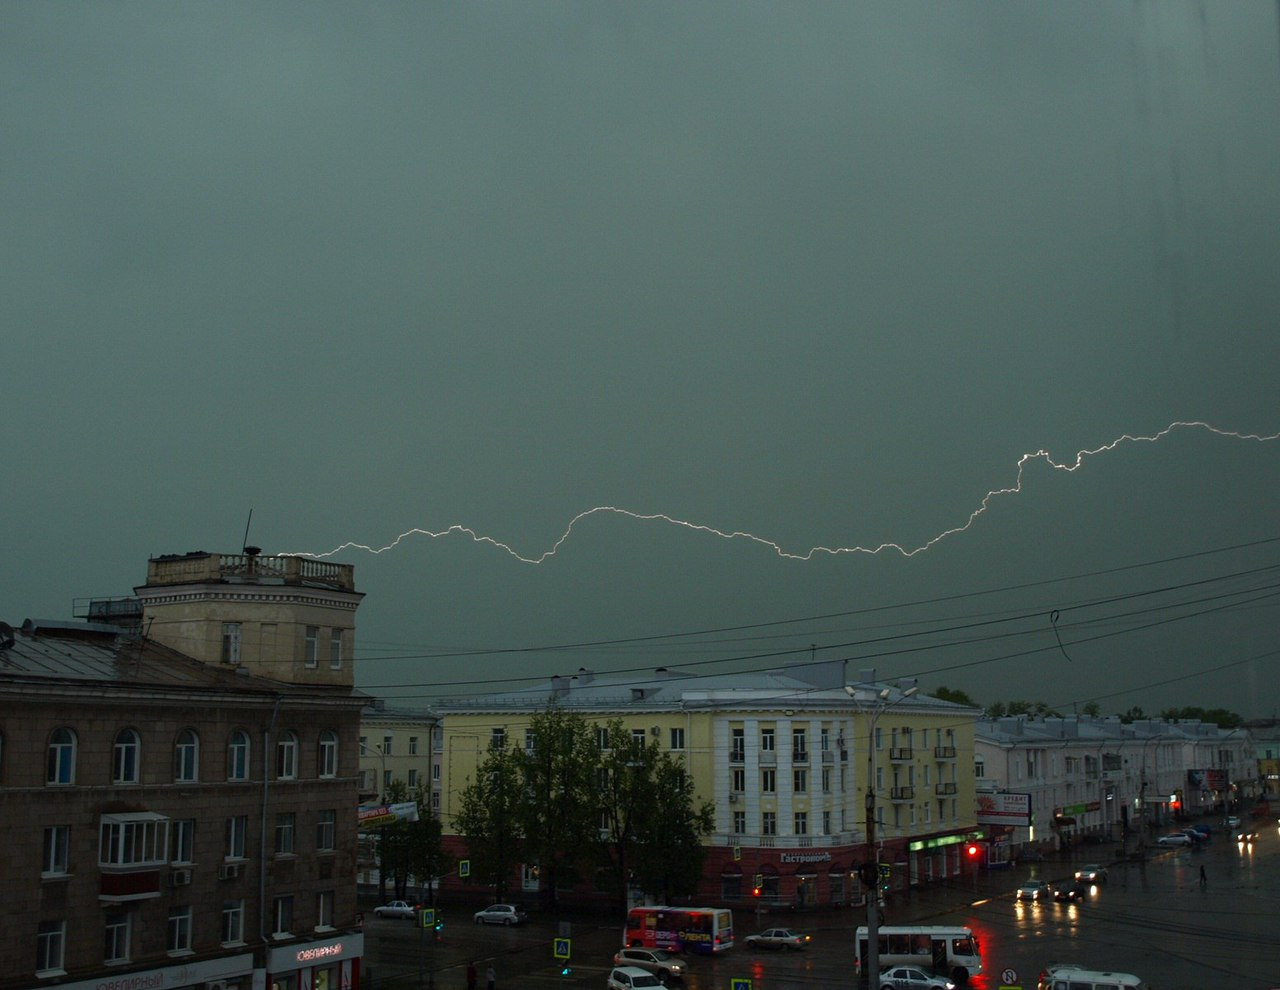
<point>382,829</point>
<point>883,704</point>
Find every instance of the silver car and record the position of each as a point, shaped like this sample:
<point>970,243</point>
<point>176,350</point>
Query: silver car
<point>666,965</point>
<point>911,978</point>
<point>501,914</point>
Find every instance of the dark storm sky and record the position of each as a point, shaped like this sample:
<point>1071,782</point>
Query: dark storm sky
<point>819,272</point>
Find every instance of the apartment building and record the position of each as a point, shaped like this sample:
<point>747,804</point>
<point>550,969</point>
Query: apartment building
<point>179,783</point>
<point>785,757</point>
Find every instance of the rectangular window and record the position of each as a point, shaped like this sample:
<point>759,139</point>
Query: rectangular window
<point>51,941</point>
<point>232,922</point>
<point>231,642</point>
<point>282,916</point>
<point>602,739</point>
<point>386,781</point>
<point>311,646</point>
<point>739,823</point>
<point>800,780</point>
<point>435,771</point>
<point>739,780</point>
<point>498,738</point>
<point>825,740</point>
<point>801,823</point>
<point>637,737</point>
<point>285,822</point>
<point>115,946</point>
<point>677,738</point>
<point>183,844</point>
<point>140,839</point>
<point>179,939</point>
<point>826,823</point>
<point>386,745</point>
<point>413,779</point>
<point>335,649</point>
<point>799,745</point>
<point>530,742</point>
<point>768,781</point>
<point>324,909</point>
<point>738,746</point>
<point>237,829</point>
<point>435,801</point>
<point>826,780</point>
<point>413,745</point>
<point>57,845</point>
<point>766,740</point>
<point>769,823</point>
<point>326,830</point>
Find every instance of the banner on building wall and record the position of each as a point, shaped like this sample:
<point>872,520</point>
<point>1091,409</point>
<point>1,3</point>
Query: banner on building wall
<point>1207,780</point>
<point>1004,809</point>
<point>370,816</point>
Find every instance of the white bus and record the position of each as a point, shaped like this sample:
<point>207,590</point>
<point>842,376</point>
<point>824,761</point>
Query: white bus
<point>1063,976</point>
<point>941,948</point>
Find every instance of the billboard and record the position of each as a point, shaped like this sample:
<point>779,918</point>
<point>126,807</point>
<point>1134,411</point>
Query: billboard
<point>1207,780</point>
<point>1004,809</point>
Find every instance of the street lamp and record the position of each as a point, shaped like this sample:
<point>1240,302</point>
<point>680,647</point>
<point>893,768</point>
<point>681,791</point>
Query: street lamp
<point>883,704</point>
<point>365,749</point>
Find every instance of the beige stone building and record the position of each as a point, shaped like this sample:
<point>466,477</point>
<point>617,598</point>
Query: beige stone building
<point>179,783</point>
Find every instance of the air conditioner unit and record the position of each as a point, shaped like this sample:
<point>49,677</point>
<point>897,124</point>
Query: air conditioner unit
<point>733,798</point>
<point>228,871</point>
<point>179,878</point>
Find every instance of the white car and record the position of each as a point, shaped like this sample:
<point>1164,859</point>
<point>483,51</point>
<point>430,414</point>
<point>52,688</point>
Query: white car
<point>911,978</point>
<point>1092,873</point>
<point>631,978</point>
<point>500,914</point>
<point>396,909</point>
<point>1174,839</point>
<point>1033,890</point>
<point>778,938</point>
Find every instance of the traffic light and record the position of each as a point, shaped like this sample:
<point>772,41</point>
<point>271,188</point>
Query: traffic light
<point>972,850</point>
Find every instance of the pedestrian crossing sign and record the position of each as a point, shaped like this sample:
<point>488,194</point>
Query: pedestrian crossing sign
<point>739,984</point>
<point>560,948</point>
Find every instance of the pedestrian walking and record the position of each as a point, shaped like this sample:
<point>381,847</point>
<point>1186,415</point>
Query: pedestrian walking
<point>471,975</point>
<point>1203,879</point>
<point>492,977</point>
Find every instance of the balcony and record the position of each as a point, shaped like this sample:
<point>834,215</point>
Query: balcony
<point>907,793</point>
<point>942,790</point>
<point>248,568</point>
<point>900,754</point>
<point>800,756</point>
<point>738,756</point>
<point>944,752</point>
<point>129,885</point>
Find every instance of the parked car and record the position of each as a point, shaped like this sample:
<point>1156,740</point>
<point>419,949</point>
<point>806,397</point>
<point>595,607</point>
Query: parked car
<point>1092,873</point>
<point>1174,839</point>
<point>500,914</point>
<point>660,961</point>
<point>396,909</point>
<point>1070,892</point>
<point>778,938</point>
<point>911,978</point>
<point>631,978</point>
<point>1033,890</point>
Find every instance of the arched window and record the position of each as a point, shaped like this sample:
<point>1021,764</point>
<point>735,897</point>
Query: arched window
<point>238,756</point>
<point>287,756</point>
<point>186,756</point>
<point>328,756</point>
<point>125,757</point>
<point>62,757</point>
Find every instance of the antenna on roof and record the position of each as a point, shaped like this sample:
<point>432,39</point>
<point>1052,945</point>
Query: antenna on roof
<point>245,542</point>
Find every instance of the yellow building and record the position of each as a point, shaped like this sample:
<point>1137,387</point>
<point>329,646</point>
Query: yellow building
<point>784,756</point>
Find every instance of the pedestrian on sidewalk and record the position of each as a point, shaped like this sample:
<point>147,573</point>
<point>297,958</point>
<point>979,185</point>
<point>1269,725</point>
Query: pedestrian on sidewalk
<point>1203,879</point>
<point>471,975</point>
<point>492,977</point>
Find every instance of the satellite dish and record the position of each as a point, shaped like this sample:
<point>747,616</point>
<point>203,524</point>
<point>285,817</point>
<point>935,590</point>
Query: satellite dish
<point>6,636</point>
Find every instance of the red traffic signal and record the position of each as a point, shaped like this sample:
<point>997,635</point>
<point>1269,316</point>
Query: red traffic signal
<point>972,850</point>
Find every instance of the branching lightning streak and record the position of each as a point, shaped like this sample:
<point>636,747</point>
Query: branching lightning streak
<point>662,517</point>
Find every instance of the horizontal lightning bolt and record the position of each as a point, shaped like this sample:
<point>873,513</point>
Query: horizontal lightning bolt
<point>1015,488</point>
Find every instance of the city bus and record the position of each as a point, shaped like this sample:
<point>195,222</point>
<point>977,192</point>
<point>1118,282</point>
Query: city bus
<point>951,951</point>
<point>679,929</point>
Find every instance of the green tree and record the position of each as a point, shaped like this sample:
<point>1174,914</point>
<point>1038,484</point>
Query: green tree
<point>670,858</point>
<point>1091,708</point>
<point>1134,714</point>
<point>626,790</point>
<point>560,817</point>
<point>490,816</point>
<point>955,695</point>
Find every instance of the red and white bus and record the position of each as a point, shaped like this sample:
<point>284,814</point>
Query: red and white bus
<point>680,929</point>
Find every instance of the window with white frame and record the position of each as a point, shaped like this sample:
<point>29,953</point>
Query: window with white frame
<point>133,839</point>
<point>498,738</point>
<point>326,830</point>
<point>51,944</point>
<point>335,649</point>
<point>413,745</point>
<point>387,742</point>
<point>115,947</point>
<point>799,780</point>
<point>677,738</point>
<point>738,780</point>
<point>179,939</point>
<point>237,831</point>
<point>61,767</point>
<point>435,801</point>
<point>125,755</point>
<point>826,823</point>
<point>324,909</point>
<point>231,642</point>
<point>800,823</point>
<point>233,922</point>
<point>282,916</point>
<point>767,740</point>
<point>738,745</point>
<point>739,823</point>
<point>182,845</point>
<point>287,756</point>
<point>637,738</point>
<point>769,823</point>
<point>285,824</point>
<point>328,755</point>
<point>413,778</point>
<point>768,780</point>
<point>530,741</point>
<point>311,646</point>
<point>826,780</point>
<point>186,757</point>
<point>602,738</point>
<point>57,847</point>
<point>238,756</point>
<point>435,771</point>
